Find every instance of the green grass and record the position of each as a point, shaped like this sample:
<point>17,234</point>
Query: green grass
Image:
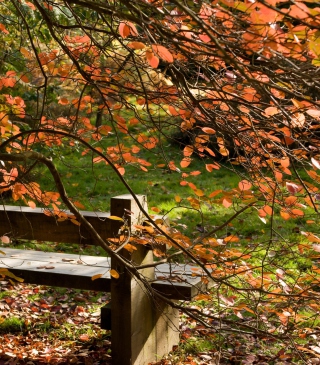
<point>11,325</point>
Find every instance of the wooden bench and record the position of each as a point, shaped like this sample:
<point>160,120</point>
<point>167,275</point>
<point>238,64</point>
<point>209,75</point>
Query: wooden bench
<point>143,328</point>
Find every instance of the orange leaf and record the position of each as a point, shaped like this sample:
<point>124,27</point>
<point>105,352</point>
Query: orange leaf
<point>152,59</point>
<point>79,205</point>
<point>31,204</point>
<point>271,110</point>
<point>24,78</point>
<point>199,192</point>
<point>227,202</point>
<point>195,173</point>
<point>3,29</point>
<point>285,162</point>
<point>162,52</point>
<point>155,209</point>
<point>185,162</point>
<point>212,166</point>
<point>187,151</point>
<point>115,218</point>
<point>124,30</point>
<point>95,277</point>
<point>244,185</point>
<point>63,101</point>
<point>173,111</point>
<point>231,239</point>
<point>114,274</point>
<point>136,45</point>
<point>285,215</point>
<point>74,221</point>
<point>297,212</point>
<point>208,130</point>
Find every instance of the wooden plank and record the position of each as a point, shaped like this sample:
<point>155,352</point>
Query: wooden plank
<point>33,224</point>
<point>69,268</point>
<point>142,329</point>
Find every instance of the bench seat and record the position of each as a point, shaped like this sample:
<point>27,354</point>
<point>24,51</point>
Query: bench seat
<point>76,271</point>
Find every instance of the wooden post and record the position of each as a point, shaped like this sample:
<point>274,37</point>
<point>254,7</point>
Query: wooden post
<point>143,329</point>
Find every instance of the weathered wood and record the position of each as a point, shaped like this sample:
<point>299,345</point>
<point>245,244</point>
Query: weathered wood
<point>33,224</point>
<point>142,328</point>
<point>76,271</point>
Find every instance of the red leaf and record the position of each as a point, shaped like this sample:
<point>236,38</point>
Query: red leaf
<point>152,59</point>
<point>292,188</point>
<point>124,30</point>
<point>162,52</point>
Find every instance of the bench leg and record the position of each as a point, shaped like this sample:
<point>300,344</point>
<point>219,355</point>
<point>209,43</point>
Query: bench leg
<point>143,329</point>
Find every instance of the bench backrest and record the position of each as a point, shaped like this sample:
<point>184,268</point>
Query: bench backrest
<point>42,225</point>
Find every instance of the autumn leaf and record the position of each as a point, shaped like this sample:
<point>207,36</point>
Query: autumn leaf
<point>136,45</point>
<point>152,59</point>
<point>208,130</point>
<point>244,185</point>
<point>162,52</point>
<point>97,276</point>
<point>63,101</point>
<point>84,338</point>
<point>293,188</point>
<point>115,218</point>
<point>3,29</point>
<point>114,274</point>
<point>5,239</point>
<point>124,30</point>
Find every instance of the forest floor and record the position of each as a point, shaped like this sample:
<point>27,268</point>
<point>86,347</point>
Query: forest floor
<point>45,325</point>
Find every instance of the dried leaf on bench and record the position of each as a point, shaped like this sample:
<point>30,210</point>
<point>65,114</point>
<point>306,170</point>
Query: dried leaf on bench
<point>75,222</point>
<point>114,274</point>
<point>68,260</point>
<point>5,239</point>
<point>115,218</point>
<point>97,276</point>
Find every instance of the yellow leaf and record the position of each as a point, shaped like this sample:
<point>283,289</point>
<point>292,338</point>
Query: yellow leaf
<point>95,277</point>
<point>11,275</point>
<point>114,274</point>
<point>75,222</point>
<point>115,218</point>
